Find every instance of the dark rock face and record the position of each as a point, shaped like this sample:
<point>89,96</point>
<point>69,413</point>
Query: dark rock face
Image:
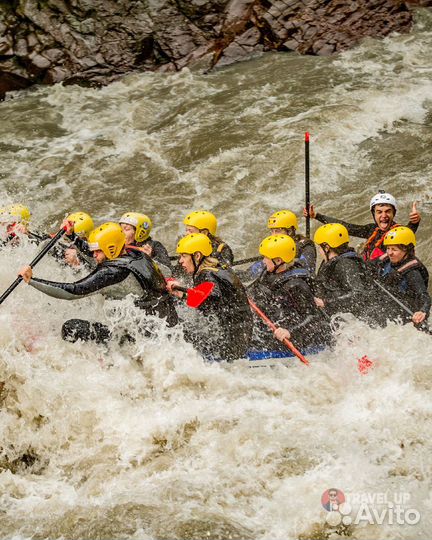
<point>95,41</point>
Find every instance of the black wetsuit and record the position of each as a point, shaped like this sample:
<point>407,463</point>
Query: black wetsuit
<point>159,252</point>
<point>224,327</point>
<point>373,247</point>
<point>344,284</point>
<point>306,256</point>
<point>221,251</point>
<point>133,272</point>
<point>408,282</point>
<point>288,301</point>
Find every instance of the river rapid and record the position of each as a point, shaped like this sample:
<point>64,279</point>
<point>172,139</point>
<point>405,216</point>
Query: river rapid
<point>147,441</point>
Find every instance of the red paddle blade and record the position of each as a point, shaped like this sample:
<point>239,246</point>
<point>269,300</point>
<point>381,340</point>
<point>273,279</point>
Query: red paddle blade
<point>199,294</point>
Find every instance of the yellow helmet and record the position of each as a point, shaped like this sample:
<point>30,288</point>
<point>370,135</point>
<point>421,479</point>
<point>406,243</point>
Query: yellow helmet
<point>278,246</point>
<point>333,234</point>
<point>195,242</point>
<point>284,219</point>
<point>141,222</point>
<point>400,235</point>
<point>16,212</point>
<point>83,223</point>
<point>109,237</point>
<point>202,220</point>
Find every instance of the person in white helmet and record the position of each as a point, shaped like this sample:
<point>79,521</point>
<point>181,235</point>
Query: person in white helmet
<point>383,207</point>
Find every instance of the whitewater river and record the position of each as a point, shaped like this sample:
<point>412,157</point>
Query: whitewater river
<point>148,442</point>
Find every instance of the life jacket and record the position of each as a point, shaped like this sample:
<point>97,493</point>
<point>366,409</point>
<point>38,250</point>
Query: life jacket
<point>219,247</point>
<point>230,338</point>
<point>273,294</point>
<point>144,268</point>
<point>155,299</point>
<point>325,273</point>
<point>221,273</point>
<point>398,274</point>
<point>372,250</point>
<point>164,266</point>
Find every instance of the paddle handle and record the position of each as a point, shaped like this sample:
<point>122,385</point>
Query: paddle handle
<point>34,262</point>
<point>244,261</point>
<point>307,183</point>
<point>235,263</point>
<point>273,327</point>
<point>180,288</point>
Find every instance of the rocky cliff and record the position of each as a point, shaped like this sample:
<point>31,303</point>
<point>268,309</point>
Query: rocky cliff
<point>96,41</point>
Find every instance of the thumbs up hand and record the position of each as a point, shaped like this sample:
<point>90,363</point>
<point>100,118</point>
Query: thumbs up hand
<point>414,216</point>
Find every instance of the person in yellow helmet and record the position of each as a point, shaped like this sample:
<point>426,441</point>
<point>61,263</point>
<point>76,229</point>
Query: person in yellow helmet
<point>14,222</point>
<point>285,222</point>
<point>404,275</point>
<point>137,228</point>
<point>224,329</point>
<point>342,283</point>
<point>284,293</point>
<point>202,221</point>
<point>119,272</point>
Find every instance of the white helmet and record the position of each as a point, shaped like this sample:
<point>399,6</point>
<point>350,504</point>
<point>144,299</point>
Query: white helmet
<point>383,198</point>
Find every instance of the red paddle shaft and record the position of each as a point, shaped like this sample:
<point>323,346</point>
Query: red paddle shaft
<point>271,325</point>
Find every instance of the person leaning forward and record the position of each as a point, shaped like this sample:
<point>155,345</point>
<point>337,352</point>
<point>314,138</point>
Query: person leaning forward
<point>383,207</point>
<point>223,329</point>
<point>119,272</point>
<point>343,284</point>
<point>284,292</point>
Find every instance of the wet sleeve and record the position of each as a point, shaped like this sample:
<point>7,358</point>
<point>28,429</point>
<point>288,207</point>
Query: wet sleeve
<point>251,273</point>
<point>160,254</point>
<point>82,246</point>
<point>360,231</point>
<point>413,226</point>
<point>95,282</point>
<point>308,257</point>
<point>418,289</point>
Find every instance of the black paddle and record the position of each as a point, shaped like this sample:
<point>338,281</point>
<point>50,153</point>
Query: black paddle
<point>235,263</point>
<point>401,304</point>
<point>244,261</point>
<point>34,262</point>
<point>307,184</point>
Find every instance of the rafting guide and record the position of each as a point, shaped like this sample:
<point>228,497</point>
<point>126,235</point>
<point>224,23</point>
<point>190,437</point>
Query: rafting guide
<point>373,508</point>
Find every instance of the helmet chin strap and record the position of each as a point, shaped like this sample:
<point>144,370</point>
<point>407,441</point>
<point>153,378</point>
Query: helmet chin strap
<point>276,266</point>
<point>195,264</point>
<point>326,249</point>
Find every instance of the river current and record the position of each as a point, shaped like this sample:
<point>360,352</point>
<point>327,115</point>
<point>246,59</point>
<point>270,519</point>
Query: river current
<point>148,441</point>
